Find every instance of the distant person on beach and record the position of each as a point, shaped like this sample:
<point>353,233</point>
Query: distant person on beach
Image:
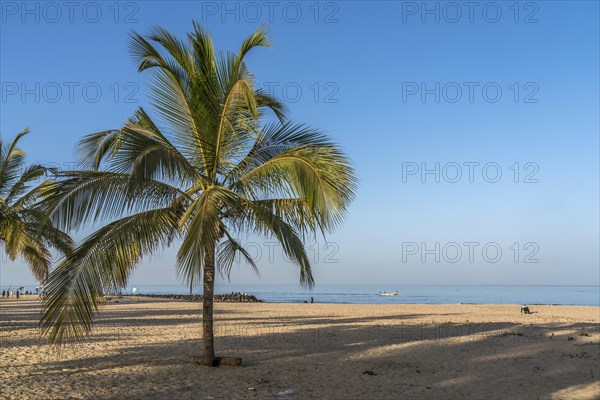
<point>312,300</point>
<point>3,293</point>
<point>525,309</point>
<point>18,294</point>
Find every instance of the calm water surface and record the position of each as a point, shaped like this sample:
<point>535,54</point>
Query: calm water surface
<point>421,294</point>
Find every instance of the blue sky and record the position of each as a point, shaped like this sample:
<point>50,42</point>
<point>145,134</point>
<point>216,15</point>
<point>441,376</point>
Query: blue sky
<point>403,86</point>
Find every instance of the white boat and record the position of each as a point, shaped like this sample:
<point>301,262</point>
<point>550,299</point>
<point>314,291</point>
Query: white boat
<point>388,294</point>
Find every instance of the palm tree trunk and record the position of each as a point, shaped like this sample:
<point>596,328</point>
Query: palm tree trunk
<point>208,337</point>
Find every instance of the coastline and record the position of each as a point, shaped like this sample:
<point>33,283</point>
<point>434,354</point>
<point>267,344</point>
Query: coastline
<point>249,298</point>
<point>144,348</point>
<point>407,294</point>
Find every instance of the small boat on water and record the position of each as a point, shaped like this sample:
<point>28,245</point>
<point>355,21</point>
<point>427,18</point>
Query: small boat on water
<point>388,294</point>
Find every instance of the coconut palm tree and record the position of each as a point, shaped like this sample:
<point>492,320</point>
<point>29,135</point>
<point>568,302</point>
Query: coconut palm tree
<point>218,159</point>
<point>24,228</point>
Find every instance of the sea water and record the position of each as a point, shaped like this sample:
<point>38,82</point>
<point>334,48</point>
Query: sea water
<point>419,294</point>
<point>409,294</point>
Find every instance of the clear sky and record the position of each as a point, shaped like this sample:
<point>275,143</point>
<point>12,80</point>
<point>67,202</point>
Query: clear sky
<point>474,128</point>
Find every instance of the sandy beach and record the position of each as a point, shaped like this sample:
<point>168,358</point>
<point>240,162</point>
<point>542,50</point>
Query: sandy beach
<point>144,349</point>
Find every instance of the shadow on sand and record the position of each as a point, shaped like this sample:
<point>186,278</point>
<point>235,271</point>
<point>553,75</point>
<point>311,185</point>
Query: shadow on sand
<point>362,358</point>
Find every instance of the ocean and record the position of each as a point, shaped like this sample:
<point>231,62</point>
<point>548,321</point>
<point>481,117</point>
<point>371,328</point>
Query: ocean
<point>409,294</point>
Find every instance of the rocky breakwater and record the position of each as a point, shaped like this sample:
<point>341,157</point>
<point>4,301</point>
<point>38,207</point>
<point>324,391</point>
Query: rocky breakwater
<point>226,298</point>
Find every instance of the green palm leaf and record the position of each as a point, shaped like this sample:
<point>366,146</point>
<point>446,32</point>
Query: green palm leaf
<point>25,230</point>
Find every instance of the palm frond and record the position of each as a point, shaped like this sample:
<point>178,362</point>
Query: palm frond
<point>259,38</point>
<point>266,223</point>
<point>11,162</point>
<point>203,50</point>
<point>20,187</point>
<point>145,152</point>
<point>24,230</point>
<point>143,53</point>
<point>267,101</point>
<point>90,196</point>
<point>99,265</point>
<point>227,252</point>
<point>295,161</point>
<point>94,148</point>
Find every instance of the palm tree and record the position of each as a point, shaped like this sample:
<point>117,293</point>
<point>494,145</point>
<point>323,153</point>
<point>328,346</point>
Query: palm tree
<point>24,228</point>
<point>209,166</point>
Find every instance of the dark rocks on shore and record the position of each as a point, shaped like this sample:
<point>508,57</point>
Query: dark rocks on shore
<point>226,298</point>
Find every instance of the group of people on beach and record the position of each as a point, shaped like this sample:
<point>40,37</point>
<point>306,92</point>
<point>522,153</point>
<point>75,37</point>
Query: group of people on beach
<point>7,294</point>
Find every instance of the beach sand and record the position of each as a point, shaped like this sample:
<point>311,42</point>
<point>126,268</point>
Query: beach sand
<point>144,349</point>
